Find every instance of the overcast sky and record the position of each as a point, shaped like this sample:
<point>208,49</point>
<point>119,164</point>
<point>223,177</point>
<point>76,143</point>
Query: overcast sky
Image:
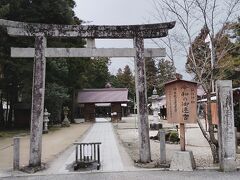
<point>117,12</point>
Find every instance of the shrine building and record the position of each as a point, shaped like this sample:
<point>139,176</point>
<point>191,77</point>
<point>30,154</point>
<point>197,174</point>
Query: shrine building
<point>106,102</point>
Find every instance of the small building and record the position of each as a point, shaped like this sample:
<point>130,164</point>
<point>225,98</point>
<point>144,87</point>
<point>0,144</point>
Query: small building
<point>106,102</point>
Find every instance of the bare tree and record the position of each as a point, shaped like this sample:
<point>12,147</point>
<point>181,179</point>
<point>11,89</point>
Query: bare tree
<point>161,16</point>
<point>192,16</point>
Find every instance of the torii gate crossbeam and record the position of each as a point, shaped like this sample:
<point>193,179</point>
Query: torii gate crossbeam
<point>87,52</point>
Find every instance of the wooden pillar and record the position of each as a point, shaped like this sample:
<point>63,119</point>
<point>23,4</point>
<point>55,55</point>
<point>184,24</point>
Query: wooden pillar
<point>38,91</point>
<point>141,93</point>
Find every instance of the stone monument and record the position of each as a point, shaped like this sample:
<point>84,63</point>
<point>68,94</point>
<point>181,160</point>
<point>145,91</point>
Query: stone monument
<point>66,122</point>
<point>226,131</point>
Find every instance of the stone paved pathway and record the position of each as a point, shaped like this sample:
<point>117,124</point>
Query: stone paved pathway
<point>113,156</point>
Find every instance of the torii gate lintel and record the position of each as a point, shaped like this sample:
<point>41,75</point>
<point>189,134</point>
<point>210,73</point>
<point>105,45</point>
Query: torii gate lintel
<point>157,30</point>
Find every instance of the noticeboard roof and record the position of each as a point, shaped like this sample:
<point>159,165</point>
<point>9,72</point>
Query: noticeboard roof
<point>179,80</point>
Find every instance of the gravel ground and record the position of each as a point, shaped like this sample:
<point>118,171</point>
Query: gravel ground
<point>128,134</point>
<point>53,144</point>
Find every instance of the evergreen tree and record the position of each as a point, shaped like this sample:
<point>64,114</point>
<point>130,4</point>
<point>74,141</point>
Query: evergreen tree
<point>165,72</point>
<point>63,75</point>
<point>151,75</point>
<point>232,59</point>
<point>128,81</point>
<point>125,79</point>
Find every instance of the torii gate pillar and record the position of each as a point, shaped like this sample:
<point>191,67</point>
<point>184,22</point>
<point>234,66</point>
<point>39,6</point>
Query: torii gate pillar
<point>38,91</point>
<point>141,93</point>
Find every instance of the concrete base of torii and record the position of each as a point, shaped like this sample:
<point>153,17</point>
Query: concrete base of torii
<point>183,161</point>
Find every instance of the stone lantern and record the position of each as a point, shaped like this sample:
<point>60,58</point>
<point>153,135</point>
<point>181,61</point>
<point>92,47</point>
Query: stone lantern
<point>155,99</point>
<point>45,121</point>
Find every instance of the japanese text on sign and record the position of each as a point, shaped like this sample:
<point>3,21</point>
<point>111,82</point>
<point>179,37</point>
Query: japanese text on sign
<point>185,104</point>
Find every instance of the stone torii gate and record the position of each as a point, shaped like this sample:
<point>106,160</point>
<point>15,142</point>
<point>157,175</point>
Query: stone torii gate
<point>40,31</point>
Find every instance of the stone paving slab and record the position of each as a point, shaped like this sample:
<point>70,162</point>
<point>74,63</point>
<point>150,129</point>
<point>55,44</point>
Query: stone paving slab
<point>111,158</point>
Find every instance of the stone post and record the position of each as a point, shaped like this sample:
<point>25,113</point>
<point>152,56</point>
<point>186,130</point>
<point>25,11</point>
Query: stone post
<point>141,93</point>
<point>182,137</point>
<point>16,153</point>
<point>38,91</point>
<point>226,132</point>
<point>162,146</point>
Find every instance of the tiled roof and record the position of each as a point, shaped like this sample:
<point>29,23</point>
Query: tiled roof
<point>105,95</point>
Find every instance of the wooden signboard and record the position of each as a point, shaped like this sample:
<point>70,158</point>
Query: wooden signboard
<point>181,101</point>
<point>214,113</point>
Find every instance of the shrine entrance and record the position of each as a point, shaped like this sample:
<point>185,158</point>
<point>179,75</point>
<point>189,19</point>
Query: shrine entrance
<point>103,110</point>
<point>40,52</point>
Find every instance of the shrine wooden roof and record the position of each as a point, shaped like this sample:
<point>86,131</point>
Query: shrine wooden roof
<point>105,95</point>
